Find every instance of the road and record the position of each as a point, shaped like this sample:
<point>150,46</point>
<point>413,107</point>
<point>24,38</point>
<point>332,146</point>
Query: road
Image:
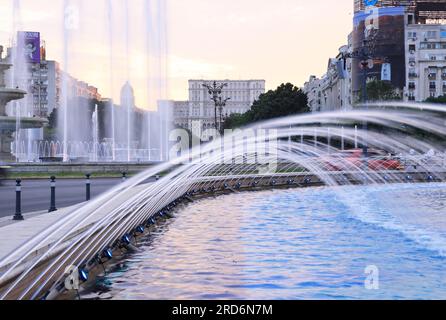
<point>36,193</point>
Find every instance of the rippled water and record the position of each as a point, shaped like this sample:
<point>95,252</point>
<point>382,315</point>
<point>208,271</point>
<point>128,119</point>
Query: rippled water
<point>310,243</point>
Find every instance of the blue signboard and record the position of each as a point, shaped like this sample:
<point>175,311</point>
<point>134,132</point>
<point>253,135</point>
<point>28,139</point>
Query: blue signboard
<point>369,3</point>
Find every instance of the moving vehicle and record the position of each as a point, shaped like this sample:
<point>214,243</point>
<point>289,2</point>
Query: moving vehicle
<point>354,159</point>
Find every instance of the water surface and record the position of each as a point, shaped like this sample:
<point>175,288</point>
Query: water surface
<point>313,243</point>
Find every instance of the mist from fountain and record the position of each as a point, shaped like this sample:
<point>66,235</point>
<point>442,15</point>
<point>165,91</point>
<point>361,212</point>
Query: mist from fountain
<point>19,74</point>
<point>241,161</point>
<point>95,133</point>
<point>109,6</point>
<point>16,122</point>
<point>129,130</point>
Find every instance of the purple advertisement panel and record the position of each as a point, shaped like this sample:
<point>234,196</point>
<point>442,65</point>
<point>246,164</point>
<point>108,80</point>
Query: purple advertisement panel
<point>29,46</point>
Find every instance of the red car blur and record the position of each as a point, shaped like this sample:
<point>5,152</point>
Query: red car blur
<point>354,159</point>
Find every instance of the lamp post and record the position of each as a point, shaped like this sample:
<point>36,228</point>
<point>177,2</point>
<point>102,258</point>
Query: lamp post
<point>38,87</point>
<point>18,201</point>
<point>221,105</point>
<point>53,194</point>
<point>365,56</point>
<point>215,91</point>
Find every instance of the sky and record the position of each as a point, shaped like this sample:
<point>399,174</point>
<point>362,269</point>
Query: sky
<point>278,41</point>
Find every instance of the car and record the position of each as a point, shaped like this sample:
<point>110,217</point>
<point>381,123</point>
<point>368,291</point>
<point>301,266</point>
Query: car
<point>354,159</point>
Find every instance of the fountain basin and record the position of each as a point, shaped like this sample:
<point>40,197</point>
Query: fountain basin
<point>8,95</point>
<point>8,126</point>
<point>300,244</point>
<point>9,123</point>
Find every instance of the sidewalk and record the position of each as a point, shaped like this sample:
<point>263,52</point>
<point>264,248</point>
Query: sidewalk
<point>6,221</point>
<point>14,235</point>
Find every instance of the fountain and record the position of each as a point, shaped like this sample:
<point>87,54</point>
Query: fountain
<point>95,133</point>
<point>7,123</point>
<point>107,222</point>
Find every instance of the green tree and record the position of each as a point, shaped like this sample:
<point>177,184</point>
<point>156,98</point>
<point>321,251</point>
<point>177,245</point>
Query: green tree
<point>50,131</point>
<point>286,100</point>
<point>378,90</point>
<point>236,120</point>
<point>52,119</point>
<point>439,100</point>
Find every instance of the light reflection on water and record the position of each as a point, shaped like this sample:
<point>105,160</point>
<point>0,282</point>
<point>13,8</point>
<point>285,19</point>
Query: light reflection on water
<point>296,244</point>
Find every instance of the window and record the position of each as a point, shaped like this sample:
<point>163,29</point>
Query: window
<point>432,74</point>
<point>432,85</point>
<point>412,85</point>
<point>431,34</point>
<point>412,48</point>
<point>432,45</point>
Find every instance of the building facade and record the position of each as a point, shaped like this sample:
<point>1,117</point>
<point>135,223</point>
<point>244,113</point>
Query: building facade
<point>312,89</point>
<point>426,61</point>
<point>409,51</point>
<point>198,113</point>
<point>44,86</point>
<point>333,91</point>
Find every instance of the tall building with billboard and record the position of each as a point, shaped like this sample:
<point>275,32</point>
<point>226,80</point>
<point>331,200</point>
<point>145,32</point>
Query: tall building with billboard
<point>386,46</point>
<point>407,46</point>
<point>395,45</point>
<point>44,77</point>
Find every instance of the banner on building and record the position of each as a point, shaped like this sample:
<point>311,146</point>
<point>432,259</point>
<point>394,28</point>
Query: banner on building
<point>386,72</point>
<point>28,46</point>
<point>386,46</point>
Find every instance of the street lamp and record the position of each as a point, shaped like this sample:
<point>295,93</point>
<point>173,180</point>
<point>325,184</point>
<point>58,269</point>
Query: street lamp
<point>365,55</point>
<point>215,91</point>
<point>38,87</point>
<point>221,104</point>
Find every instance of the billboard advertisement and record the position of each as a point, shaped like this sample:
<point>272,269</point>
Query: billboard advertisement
<point>29,46</point>
<point>386,47</point>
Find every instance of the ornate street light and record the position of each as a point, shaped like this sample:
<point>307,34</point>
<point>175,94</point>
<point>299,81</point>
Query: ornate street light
<point>215,91</point>
<point>365,55</point>
<point>221,104</point>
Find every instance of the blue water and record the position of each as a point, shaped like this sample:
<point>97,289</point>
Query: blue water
<point>311,243</point>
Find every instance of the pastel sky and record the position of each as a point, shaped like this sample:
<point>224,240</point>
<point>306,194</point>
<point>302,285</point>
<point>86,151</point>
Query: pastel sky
<point>279,41</point>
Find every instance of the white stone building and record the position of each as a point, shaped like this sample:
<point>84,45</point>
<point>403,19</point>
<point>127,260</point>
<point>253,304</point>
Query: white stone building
<point>425,61</point>
<point>313,90</point>
<point>333,90</point>
<point>198,113</point>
